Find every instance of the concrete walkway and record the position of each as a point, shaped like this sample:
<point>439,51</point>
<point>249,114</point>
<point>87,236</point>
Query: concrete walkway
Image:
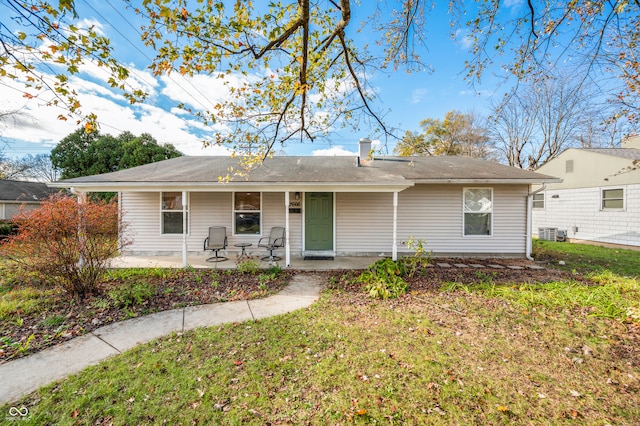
<point>24,375</point>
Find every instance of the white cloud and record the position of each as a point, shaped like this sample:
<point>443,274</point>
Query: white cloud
<point>340,150</point>
<point>38,123</point>
<point>477,93</point>
<point>201,92</point>
<point>86,24</point>
<point>334,151</point>
<point>464,39</point>
<point>137,79</point>
<point>513,3</point>
<point>418,95</point>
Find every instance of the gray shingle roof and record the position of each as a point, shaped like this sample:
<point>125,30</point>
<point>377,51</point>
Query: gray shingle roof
<point>16,190</point>
<point>629,153</point>
<point>314,170</point>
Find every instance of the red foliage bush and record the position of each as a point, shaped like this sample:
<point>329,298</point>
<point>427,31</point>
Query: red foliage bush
<point>66,242</point>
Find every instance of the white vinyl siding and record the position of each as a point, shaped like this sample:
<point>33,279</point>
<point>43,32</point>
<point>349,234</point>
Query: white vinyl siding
<point>141,214</point>
<point>579,212</point>
<point>364,222</point>
<point>434,213</point>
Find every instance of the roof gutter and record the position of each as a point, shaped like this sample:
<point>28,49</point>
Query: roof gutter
<point>237,186</point>
<point>530,219</point>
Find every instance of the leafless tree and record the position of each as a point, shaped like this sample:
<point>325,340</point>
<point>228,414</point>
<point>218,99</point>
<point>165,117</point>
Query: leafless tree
<point>38,168</point>
<point>537,122</point>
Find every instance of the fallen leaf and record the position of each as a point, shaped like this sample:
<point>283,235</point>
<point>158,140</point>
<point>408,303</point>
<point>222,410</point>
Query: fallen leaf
<point>361,412</point>
<point>571,413</point>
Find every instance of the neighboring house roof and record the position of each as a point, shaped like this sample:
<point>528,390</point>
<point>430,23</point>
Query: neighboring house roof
<point>628,153</point>
<point>594,167</point>
<point>390,173</point>
<point>22,191</point>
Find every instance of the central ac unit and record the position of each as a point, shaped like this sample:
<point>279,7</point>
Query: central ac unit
<point>547,234</point>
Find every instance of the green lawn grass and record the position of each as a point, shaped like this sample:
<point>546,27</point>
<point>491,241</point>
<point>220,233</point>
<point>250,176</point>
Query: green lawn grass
<point>589,258</point>
<point>558,353</point>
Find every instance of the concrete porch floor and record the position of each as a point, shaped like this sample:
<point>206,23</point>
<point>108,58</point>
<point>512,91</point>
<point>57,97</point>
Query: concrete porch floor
<point>200,261</point>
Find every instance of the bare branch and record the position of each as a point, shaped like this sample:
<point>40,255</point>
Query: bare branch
<point>356,81</point>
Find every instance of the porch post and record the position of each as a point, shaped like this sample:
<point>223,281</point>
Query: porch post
<point>394,249</point>
<point>184,229</point>
<point>287,246</point>
<point>82,199</point>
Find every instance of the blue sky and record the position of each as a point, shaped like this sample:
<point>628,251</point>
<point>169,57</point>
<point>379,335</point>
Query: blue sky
<point>405,98</point>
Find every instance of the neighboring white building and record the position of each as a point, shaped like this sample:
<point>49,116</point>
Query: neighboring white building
<point>599,197</point>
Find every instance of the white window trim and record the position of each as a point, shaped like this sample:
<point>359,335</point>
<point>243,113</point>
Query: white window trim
<point>492,212</point>
<point>162,211</point>
<point>544,201</point>
<point>613,209</point>
<point>234,211</point>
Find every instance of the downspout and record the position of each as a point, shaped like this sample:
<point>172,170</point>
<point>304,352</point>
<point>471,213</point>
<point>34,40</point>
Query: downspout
<point>530,219</point>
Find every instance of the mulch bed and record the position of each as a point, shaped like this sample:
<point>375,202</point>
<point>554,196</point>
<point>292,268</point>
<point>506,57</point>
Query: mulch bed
<point>433,277</point>
<point>66,318</point>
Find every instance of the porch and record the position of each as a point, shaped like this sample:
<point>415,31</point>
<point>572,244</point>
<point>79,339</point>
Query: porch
<point>200,261</point>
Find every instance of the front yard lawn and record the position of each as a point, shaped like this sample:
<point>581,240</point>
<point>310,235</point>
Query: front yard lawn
<point>478,349</point>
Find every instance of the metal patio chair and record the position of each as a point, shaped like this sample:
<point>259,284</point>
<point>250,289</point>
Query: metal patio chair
<point>274,241</point>
<point>216,241</point>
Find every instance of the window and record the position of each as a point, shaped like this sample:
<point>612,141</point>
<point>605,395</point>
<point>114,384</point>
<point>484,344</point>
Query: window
<point>172,213</point>
<point>246,213</point>
<point>478,208</point>
<point>538,201</point>
<point>613,198</point>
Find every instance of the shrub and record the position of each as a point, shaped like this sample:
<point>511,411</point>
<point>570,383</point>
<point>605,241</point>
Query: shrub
<point>384,279</point>
<point>7,229</point>
<point>67,242</point>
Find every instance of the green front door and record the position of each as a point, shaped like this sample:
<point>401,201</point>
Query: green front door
<point>318,221</point>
